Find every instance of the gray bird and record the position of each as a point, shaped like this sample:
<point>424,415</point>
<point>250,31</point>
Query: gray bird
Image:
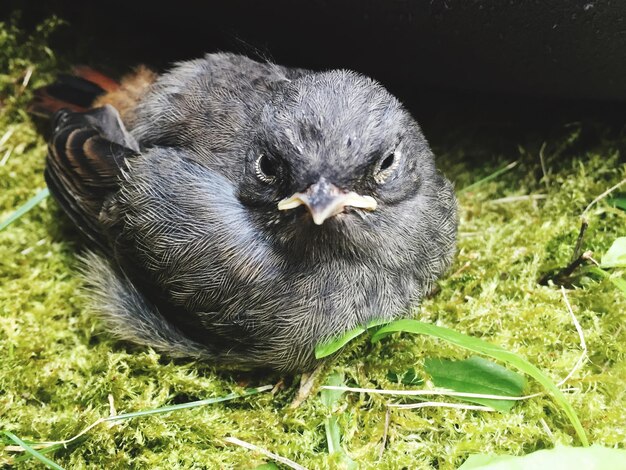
<point>243,212</point>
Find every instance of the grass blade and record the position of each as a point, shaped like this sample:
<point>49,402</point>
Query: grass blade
<point>137,414</point>
<point>24,208</point>
<point>192,404</point>
<point>490,177</point>
<point>491,350</point>
<point>326,348</point>
<point>45,450</point>
<point>42,458</point>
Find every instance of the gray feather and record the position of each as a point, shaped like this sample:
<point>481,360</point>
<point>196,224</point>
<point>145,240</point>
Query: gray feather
<point>211,268</point>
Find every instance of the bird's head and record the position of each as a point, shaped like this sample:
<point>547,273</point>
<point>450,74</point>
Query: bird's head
<point>337,159</point>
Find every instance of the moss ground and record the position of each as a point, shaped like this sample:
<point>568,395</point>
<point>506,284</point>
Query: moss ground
<point>58,365</point>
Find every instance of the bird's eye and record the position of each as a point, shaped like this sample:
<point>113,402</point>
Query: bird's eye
<point>386,166</point>
<point>266,169</point>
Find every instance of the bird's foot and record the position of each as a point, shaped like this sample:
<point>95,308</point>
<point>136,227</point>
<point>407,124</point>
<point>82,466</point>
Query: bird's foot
<point>278,387</point>
<point>307,380</point>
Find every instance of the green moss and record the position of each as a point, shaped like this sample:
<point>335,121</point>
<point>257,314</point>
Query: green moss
<point>58,366</point>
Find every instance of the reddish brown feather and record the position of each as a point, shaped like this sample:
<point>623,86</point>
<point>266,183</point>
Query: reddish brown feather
<point>122,95</point>
<point>93,76</point>
<point>132,88</point>
<point>45,105</point>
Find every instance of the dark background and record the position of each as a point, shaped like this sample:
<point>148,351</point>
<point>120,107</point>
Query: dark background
<point>453,62</point>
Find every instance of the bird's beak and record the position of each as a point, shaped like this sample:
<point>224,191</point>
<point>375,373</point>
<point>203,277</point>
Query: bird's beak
<point>324,200</point>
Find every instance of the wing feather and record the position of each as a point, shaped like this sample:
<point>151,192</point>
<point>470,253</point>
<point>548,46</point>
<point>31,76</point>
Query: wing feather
<point>86,155</point>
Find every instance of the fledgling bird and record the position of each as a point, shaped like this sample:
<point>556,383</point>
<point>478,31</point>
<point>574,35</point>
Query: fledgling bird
<point>243,212</point>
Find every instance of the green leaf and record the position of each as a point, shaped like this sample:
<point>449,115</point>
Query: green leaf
<point>333,435</point>
<point>39,456</point>
<point>560,458</point>
<point>333,439</point>
<point>23,209</point>
<point>491,350</point>
<point>267,466</point>
<point>477,375</point>
<point>618,282</point>
<point>616,256</point>
<point>326,348</point>
<point>408,377</point>
<point>331,425</point>
<point>330,397</point>
<point>619,201</point>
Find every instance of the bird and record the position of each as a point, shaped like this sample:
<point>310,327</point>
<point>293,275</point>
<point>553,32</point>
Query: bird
<point>243,212</point>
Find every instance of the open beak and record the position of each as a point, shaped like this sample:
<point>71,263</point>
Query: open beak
<point>324,200</point>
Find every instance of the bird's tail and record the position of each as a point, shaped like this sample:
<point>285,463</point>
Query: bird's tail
<point>129,315</point>
<point>76,92</point>
<point>87,88</point>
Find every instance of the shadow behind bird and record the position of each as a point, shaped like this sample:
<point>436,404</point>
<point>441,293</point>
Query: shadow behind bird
<point>242,212</point>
